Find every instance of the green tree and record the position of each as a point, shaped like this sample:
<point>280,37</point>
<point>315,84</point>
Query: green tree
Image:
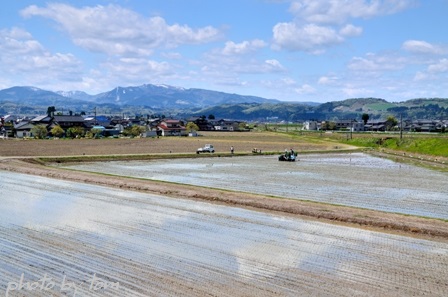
<point>365,118</point>
<point>51,110</point>
<point>211,117</point>
<point>133,131</point>
<point>57,131</point>
<point>391,122</point>
<point>75,132</point>
<point>39,131</point>
<point>95,133</point>
<point>328,125</point>
<point>9,126</point>
<point>242,126</point>
<point>192,127</point>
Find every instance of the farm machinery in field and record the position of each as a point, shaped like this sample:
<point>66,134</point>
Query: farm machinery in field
<point>289,156</point>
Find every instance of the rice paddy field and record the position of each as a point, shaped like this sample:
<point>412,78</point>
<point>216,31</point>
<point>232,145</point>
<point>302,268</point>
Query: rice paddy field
<point>61,238</point>
<point>351,179</point>
<point>125,228</point>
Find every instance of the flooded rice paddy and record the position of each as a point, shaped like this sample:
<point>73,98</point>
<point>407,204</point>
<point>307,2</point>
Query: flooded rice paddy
<point>60,238</point>
<point>354,179</point>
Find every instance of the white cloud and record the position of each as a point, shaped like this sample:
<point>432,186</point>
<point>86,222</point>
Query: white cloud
<point>18,42</point>
<point>238,58</point>
<point>115,30</point>
<point>288,81</point>
<point>27,58</point>
<point>377,63</point>
<point>423,47</point>
<point>433,72</point>
<point>318,25</point>
<point>218,66</point>
<point>172,55</point>
<point>339,11</point>
<point>15,33</point>
<point>285,83</point>
<point>309,38</point>
<point>135,71</point>
<point>441,66</point>
<point>245,47</point>
<point>327,80</point>
<point>305,89</point>
<point>274,65</point>
<point>126,72</point>
<point>288,87</point>
<point>421,76</point>
<point>350,31</point>
<point>353,91</point>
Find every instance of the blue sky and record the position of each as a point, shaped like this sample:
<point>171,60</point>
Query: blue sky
<point>303,50</point>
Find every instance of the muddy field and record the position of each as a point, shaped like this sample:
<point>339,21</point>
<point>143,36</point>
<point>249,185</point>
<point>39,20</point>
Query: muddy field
<point>74,239</point>
<point>241,141</point>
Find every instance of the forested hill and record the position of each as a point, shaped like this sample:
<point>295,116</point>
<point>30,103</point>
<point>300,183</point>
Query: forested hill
<point>435,108</point>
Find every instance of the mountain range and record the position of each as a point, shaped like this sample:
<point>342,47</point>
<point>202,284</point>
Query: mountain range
<point>176,101</point>
<point>148,95</point>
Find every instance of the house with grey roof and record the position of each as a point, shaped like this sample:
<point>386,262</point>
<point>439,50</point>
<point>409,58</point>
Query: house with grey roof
<point>23,129</point>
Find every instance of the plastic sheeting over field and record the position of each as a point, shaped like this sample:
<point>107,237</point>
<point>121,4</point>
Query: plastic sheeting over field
<point>75,239</point>
<point>353,179</point>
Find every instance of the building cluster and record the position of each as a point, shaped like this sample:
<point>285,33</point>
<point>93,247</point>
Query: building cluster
<point>379,125</point>
<point>13,126</point>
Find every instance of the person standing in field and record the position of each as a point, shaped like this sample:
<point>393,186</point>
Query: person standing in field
<point>231,150</point>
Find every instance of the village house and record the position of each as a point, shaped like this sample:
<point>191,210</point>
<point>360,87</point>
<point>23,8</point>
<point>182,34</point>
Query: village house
<point>67,121</point>
<point>375,126</point>
<point>344,124</point>
<point>41,120</point>
<point>357,127</point>
<point>100,120</point>
<point>171,128</point>
<point>226,125</point>
<point>311,126</point>
<point>151,128</point>
<point>202,123</point>
<point>7,123</point>
<point>23,129</point>
<point>426,126</point>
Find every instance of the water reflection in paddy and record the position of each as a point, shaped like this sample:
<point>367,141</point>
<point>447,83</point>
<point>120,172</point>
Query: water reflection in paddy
<point>353,179</point>
<point>150,243</point>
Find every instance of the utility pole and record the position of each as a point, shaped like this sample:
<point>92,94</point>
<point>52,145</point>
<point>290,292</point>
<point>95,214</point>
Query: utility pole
<point>401,126</point>
<point>351,129</point>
